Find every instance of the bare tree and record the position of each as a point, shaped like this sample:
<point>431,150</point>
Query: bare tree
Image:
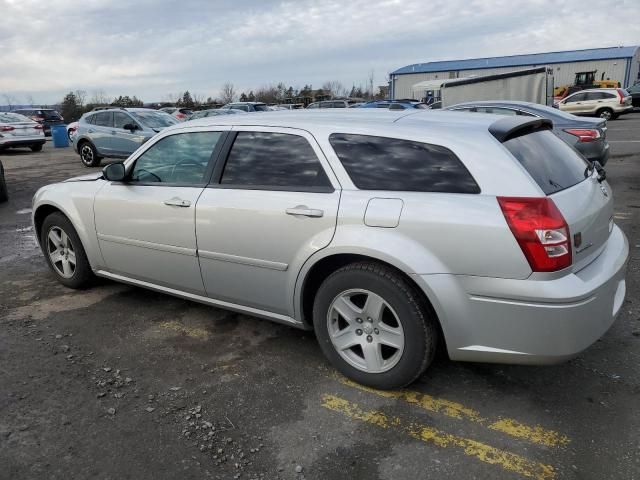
<point>10,100</point>
<point>172,98</point>
<point>370,84</point>
<point>228,93</point>
<point>335,88</point>
<point>30,100</point>
<point>98,97</point>
<point>198,99</point>
<point>81,96</point>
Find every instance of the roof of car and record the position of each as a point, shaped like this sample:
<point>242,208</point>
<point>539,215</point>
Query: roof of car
<point>339,118</point>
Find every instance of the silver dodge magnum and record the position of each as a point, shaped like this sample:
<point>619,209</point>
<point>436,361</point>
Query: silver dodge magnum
<point>385,232</point>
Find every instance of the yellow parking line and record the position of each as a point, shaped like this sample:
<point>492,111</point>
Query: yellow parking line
<point>483,452</point>
<point>514,428</point>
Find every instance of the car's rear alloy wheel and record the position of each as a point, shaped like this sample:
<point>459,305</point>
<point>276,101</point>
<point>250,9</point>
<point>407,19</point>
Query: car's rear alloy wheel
<point>64,252</point>
<point>88,155</point>
<point>374,325</point>
<point>365,331</point>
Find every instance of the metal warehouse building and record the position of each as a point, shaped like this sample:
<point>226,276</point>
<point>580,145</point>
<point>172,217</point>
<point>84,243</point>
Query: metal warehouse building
<point>617,63</point>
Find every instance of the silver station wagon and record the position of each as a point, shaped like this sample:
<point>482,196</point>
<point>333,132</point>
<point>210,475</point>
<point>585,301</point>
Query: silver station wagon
<point>385,232</point>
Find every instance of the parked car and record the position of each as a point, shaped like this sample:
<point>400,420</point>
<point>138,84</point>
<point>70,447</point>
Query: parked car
<point>213,112</point>
<point>71,129</point>
<point>117,132</point>
<point>400,227</point>
<point>333,104</point>
<point>182,114</point>
<point>4,194</point>
<point>19,131</point>
<point>44,116</point>
<point>395,104</point>
<point>247,106</point>
<point>607,103</point>
<point>587,135</point>
<point>634,91</point>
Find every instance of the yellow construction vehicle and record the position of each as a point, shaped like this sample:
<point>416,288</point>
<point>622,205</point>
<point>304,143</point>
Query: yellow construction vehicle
<point>584,80</point>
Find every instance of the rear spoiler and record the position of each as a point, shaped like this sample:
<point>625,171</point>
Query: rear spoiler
<point>510,127</point>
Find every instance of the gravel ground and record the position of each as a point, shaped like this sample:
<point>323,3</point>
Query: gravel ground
<point>118,382</point>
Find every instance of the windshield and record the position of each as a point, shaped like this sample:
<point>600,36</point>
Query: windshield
<point>261,108</point>
<point>154,119</point>
<point>6,117</point>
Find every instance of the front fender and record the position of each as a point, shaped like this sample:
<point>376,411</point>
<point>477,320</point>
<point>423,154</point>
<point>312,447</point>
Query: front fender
<point>75,201</point>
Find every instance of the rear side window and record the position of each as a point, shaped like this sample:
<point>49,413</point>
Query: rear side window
<point>380,163</point>
<point>104,119</point>
<point>91,119</point>
<point>552,163</point>
<point>277,161</point>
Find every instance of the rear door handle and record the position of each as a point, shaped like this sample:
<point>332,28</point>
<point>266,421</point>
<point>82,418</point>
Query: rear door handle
<point>304,211</point>
<point>177,202</point>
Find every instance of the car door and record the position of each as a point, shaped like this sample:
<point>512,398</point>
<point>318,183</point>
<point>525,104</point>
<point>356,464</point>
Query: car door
<point>574,103</point>
<point>124,142</point>
<point>269,207</point>
<point>100,132</point>
<point>146,224</point>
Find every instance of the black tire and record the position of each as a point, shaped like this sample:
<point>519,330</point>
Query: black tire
<point>4,195</point>
<point>82,276</point>
<point>36,148</point>
<point>605,113</point>
<point>414,316</point>
<point>88,154</point>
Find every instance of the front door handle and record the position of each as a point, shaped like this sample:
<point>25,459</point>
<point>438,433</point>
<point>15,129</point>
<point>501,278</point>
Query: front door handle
<point>177,202</point>
<point>304,211</point>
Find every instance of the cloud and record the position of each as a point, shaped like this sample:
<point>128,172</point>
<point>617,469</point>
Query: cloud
<point>150,48</point>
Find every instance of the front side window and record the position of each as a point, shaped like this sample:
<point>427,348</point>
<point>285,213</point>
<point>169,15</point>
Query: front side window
<point>182,158</point>
<point>154,119</point>
<point>381,163</point>
<point>313,105</point>
<point>104,119</point>
<point>121,119</point>
<point>278,161</point>
<point>578,97</point>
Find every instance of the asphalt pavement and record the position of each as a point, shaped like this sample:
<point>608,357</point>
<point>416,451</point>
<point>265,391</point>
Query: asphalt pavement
<point>118,382</point>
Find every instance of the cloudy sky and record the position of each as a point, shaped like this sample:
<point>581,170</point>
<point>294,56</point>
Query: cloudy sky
<point>152,48</point>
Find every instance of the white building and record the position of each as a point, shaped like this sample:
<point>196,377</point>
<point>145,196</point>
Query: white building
<point>616,63</point>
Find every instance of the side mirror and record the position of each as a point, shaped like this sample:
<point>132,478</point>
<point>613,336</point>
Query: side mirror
<point>114,172</point>
<point>130,126</point>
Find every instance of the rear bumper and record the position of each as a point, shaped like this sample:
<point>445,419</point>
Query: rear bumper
<point>530,321</point>
<point>625,110</point>
<point>21,142</point>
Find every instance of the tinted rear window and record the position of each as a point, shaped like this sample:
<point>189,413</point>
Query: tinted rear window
<point>380,163</point>
<point>552,163</point>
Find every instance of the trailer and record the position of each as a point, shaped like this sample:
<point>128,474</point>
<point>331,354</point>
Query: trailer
<point>530,85</point>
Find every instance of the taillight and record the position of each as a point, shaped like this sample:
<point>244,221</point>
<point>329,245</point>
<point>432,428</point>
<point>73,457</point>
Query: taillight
<point>180,115</point>
<point>38,127</point>
<point>621,95</point>
<point>584,134</point>
<point>540,230</point>
<point>6,128</point>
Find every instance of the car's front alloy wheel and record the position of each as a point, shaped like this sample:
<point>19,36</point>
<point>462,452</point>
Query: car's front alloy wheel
<point>374,325</point>
<point>64,252</point>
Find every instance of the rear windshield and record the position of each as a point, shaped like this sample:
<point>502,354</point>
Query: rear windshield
<point>261,107</point>
<point>154,119</point>
<point>552,163</point>
<point>6,117</point>
<point>50,114</point>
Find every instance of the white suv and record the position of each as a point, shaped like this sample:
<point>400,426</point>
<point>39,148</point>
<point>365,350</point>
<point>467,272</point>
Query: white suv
<point>607,103</point>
